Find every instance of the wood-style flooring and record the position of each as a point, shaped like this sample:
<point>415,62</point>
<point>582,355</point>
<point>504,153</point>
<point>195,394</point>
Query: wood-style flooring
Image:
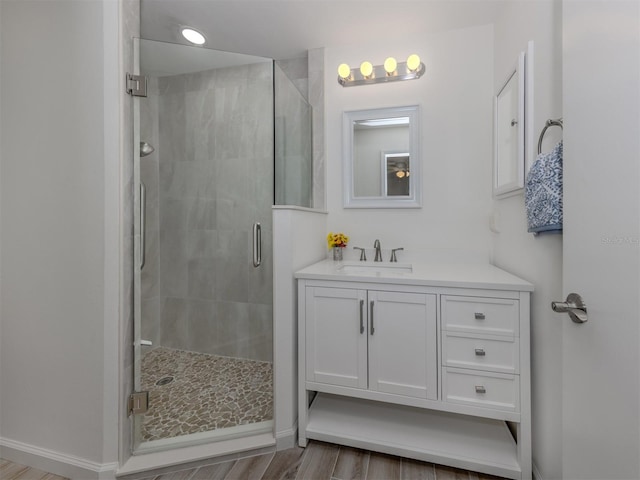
<point>319,461</point>
<point>15,471</point>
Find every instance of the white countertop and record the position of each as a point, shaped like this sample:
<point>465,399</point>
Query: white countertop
<point>426,274</point>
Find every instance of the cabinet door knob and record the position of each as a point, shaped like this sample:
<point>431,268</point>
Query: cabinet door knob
<point>480,389</point>
<point>480,352</point>
<point>479,316</point>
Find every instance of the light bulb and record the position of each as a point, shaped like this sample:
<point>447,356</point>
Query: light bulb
<point>366,69</point>
<point>390,65</point>
<point>413,62</point>
<point>344,71</point>
<point>193,36</point>
<point>400,174</point>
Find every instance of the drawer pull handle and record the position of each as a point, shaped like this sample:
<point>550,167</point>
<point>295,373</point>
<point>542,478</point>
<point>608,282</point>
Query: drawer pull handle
<point>479,316</point>
<point>480,352</point>
<point>361,317</point>
<point>480,389</point>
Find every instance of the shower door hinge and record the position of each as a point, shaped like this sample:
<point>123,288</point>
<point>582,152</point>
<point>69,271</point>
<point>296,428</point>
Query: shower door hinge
<point>136,85</point>
<point>138,403</point>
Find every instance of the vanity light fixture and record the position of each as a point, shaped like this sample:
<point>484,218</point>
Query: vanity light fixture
<point>193,36</point>
<point>390,71</point>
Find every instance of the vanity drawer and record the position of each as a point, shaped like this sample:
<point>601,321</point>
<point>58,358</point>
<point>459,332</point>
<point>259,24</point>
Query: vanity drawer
<point>499,316</point>
<point>480,352</point>
<point>481,389</point>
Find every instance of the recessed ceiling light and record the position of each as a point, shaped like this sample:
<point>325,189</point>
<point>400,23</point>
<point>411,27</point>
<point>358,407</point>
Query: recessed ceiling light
<point>193,36</point>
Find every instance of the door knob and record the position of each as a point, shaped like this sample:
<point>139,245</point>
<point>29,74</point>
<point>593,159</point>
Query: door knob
<point>574,306</point>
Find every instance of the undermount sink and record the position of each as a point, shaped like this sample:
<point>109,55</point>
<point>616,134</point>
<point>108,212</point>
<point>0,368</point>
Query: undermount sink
<point>375,267</point>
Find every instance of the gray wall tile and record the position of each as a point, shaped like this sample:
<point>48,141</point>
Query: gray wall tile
<point>211,179</point>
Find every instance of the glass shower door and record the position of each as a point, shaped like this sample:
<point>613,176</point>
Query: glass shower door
<point>203,320</point>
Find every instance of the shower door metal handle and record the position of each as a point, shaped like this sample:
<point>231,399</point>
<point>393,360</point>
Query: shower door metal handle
<point>257,244</point>
<point>143,210</point>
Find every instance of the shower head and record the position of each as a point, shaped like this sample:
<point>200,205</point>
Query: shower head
<point>146,149</point>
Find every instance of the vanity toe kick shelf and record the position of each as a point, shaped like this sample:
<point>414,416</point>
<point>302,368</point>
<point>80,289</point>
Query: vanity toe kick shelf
<point>460,441</point>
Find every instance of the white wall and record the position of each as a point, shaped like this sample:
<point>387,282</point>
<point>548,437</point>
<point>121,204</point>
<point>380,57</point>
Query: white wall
<point>456,118</point>
<point>298,241</point>
<point>58,193</point>
<point>536,259</point>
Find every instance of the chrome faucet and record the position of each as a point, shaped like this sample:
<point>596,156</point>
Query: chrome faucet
<point>376,245</point>
<point>363,255</point>
<point>393,254</point>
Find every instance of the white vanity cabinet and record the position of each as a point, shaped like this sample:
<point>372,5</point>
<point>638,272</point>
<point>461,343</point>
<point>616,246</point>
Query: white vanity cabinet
<point>432,364</point>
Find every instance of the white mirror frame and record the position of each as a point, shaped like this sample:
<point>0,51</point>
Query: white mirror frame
<point>504,128</point>
<point>414,199</point>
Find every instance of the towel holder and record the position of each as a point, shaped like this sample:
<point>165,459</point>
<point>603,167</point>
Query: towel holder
<point>548,123</point>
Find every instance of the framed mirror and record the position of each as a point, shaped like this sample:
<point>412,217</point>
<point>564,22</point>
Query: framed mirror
<point>381,158</point>
<point>508,130</point>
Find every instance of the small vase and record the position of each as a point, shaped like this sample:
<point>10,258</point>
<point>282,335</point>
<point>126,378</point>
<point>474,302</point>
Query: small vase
<point>337,254</point>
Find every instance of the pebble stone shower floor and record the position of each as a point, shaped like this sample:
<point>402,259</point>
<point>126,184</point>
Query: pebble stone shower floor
<point>195,392</point>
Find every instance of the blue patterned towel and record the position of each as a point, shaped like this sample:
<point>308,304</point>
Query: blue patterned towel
<point>543,192</point>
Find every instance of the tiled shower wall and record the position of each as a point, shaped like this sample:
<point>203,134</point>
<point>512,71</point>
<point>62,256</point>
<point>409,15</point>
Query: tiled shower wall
<point>293,148</point>
<point>209,180</point>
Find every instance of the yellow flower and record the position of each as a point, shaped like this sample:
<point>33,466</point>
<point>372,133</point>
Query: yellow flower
<point>337,240</point>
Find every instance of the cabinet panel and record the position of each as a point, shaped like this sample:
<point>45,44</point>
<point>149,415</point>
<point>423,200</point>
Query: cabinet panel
<point>480,352</point>
<point>336,346</point>
<point>480,315</point>
<point>402,344</point>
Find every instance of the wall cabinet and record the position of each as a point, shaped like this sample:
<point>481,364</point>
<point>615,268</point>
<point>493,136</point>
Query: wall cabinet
<point>432,372</point>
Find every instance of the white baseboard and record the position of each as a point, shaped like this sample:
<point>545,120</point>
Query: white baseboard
<point>55,462</point>
<point>536,472</point>
<point>287,438</point>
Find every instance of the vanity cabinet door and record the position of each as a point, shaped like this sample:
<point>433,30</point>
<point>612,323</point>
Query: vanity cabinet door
<point>336,336</point>
<point>402,344</point>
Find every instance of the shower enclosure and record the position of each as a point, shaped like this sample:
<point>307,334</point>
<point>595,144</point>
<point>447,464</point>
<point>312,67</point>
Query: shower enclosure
<point>219,134</point>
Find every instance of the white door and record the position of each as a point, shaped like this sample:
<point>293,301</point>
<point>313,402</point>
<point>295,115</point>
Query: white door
<point>336,336</point>
<point>601,364</point>
<point>402,347</point>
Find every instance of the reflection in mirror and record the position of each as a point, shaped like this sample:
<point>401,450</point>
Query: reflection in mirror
<point>508,162</point>
<point>381,158</point>
<point>396,173</point>
<point>370,139</point>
